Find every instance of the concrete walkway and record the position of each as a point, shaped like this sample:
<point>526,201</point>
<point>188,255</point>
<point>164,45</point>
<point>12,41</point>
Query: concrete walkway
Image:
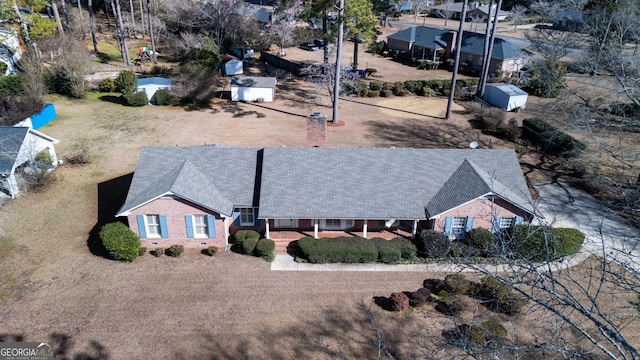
<point>562,206</point>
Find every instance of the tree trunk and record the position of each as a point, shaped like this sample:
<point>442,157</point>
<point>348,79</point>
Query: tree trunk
<point>106,11</point>
<point>133,14</point>
<point>92,27</point>
<point>336,84</point>
<point>65,13</point>
<point>84,35</point>
<point>355,53</point>
<point>56,15</point>
<point>25,28</point>
<point>153,41</point>
<point>115,5</point>
<point>144,30</point>
<point>325,37</point>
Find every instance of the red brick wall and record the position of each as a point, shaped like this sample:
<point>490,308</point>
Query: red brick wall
<point>483,211</point>
<point>398,45</point>
<point>175,209</point>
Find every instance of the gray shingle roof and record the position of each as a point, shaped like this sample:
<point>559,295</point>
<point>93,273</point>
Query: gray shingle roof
<point>11,139</point>
<point>214,176</point>
<point>253,81</point>
<point>423,36</point>
<point>362,183</point>
<point>473,43</point>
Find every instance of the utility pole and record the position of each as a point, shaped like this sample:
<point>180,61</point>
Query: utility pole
<point>336,84</point>
<point>487,60</point>
<point>457,57</point>
<point>485,50</point>
<point>153,41</point>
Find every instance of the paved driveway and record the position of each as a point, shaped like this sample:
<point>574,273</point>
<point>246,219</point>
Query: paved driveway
<point>606,233</point>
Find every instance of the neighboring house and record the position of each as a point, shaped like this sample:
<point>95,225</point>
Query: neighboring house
<point>253,88</point>
<point>260,14</point>
<point>10,50</point>
<point>151,85</point>
<point>506,56</point>
<point>438,44</point>
<point>19,146</point>
<point>454,11</point>
<point>505,96</point>
<point>231,65</point>
<point>422,41</point>
<point>201,195</point>
<point>568,20</point>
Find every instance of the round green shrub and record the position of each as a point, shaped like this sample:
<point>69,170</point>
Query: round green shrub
<point>407,248</point>
<point>457,284</point>
<point>269,257</point>
<point>137,99</point>
<point>252,234</point>
<point>433,244</point>
<point>107,85</point>
<point>388,251</point>
<point>375,85</point>
<point>211,251</point>
<point>120,242</point>
<point>426,91</point>
<point>373,93</point>
<point>569,241</point>
<point>386,93</point>
<point>164,97</point>
<point>535,243</point>
<point>483,240</point>
<point>126,82</point>
<point>265,247</point>
<point>493,329</point>
<point>500,297</point>
<point>239,236</point>
<point>249,245</point>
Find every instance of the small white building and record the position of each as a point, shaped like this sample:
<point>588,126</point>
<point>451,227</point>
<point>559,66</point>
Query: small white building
<point>151,85</point>
<point>252,88</point>
<point>20,145</point>
<point>232,66</point>
<point>505,96</point>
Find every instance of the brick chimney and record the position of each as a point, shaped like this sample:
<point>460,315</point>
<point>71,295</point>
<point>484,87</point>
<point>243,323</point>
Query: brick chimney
<point>451,44</point>
<point>316,130</point>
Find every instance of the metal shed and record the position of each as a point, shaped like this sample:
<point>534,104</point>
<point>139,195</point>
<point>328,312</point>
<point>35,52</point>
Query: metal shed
<point>151,85</point>
<point>232,66</point>
<point>252,88</point>
<point>505,96</point>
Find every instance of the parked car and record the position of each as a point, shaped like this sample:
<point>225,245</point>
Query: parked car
<point>319,42</point>
<point>309,46</point>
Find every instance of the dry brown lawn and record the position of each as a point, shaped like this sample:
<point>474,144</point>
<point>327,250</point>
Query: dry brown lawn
<point>55,288</point>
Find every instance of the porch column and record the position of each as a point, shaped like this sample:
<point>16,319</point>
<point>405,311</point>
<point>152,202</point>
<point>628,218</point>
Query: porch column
<point>414,229</point>
<point>266,233</point>
<point>364,228</point>
<point>315,228</point>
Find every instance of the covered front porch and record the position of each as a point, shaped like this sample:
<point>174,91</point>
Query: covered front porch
<point>285,240</point>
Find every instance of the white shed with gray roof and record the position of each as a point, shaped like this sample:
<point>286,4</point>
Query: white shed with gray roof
<point>253,88</point>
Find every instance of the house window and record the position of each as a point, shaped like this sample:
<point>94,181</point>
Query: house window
<point>458,226</point>
<point>152,225</point>
<point>506,222</point>
<point>286,223</point>
<point>337,224</point>
<point>200,227</point>
<point>246,217</point>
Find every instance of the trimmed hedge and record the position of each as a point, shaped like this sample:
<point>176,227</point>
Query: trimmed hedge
<point>550,139</point>
<point>175,250</point>
<point>388,252</point>
<point>457,284</point>
<point>137,99</point>
<point>483,240</point>
<point>120,242</point>
<point>249,245</point>
<point>240,235</point>
<point>265,247</point>
<point>569,241</point>
<point>164,97</point>
<point>338,250</point>
<point>433,244</point>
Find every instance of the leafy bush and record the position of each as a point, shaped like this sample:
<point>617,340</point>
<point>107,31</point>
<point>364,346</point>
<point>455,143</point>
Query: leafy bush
<point>450,305</point>
<point>433,244</point>
<point>535,243</point>
<point>107,85</point>
<point>569,241</point>
<point>413,85</point>
<point>370,71</point>
<point>211,251</point>
<point>357,88</point>
<point>550,139</point>
<point>77,157</point>
<point>137,99</point>
<point>10,84</point>
<point>3,68</point>
<point>126,82</point>
<point>407,248</point>
<point>239,236</point>
<point>420,297</point>
<point>15,108</point>
<point>175,250</point>
<point>373,93</point>
<point>508,131</point>
<point>249,245</point>
<point>426,91</point>
<point>459,249</point>
<point>398,87</point>
<point>164,97</point>
<point>457,284</point>
<point>375,85</point>
<point>493,329</point>
<point>500,297</point>
<point>120,242</point>
<point>388,251</point>
<point>265,247</point>
<point>386,93</point>
<point>483,240</point>
<point>338,250</point>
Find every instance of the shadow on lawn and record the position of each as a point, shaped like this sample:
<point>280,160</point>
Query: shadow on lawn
<point>63,345</point>
<point>120,100</point>
<point>111,196</point>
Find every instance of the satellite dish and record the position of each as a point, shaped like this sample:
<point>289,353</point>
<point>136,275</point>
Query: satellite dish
<point>473,144</point>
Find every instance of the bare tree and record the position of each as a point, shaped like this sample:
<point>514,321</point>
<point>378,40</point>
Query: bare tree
<point>92,27</point>
<point>447,12</point>
<point>419,6</point>
<point>546,9</point>
<point>122,39</point>
<point>56,15</point>
<point>518,13</point>
<point>282,29</point>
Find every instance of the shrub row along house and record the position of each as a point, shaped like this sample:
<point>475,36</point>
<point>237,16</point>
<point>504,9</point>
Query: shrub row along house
<point>200,195</point>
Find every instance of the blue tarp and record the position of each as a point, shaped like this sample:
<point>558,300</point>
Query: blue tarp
<point>43,117</point>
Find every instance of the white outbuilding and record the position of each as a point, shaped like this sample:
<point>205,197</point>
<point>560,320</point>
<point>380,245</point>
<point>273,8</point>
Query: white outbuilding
<point>253,88</point>
<point>505,96</point>
<point>151,85</point>
<point>232,65</point>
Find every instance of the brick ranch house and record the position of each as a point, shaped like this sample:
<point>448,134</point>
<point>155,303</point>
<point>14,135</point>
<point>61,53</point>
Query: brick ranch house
<point>201,195</point>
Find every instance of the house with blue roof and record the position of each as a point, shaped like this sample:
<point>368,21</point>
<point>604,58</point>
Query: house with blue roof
<point>201,195</point>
